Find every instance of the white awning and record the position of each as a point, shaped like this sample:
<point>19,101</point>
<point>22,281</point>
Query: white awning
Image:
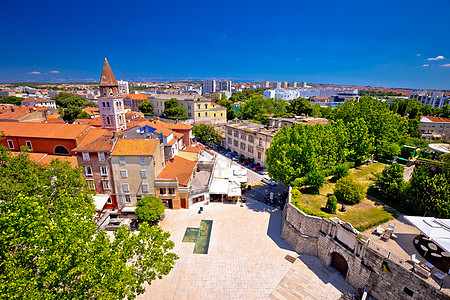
<point>219,186</point>
<point>129,209</point>
<point>437,230</point>
<point>100,201</point>
<point>234,189</point>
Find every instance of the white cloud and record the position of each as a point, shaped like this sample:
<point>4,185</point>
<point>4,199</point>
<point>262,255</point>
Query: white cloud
<point>34,73</point>
<point>54,72</point>
<point>436,58</point>
<point>446,65</point>
<point>425,65</point>
<point>418,54</point>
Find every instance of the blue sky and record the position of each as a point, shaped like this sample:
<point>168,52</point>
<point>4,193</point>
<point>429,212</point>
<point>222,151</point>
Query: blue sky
<point>377,43</point>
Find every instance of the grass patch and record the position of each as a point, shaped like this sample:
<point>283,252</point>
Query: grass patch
<point>364,215</point>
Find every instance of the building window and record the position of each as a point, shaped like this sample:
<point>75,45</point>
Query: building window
<point>199,114</point>
<point>122,160</point>
<point>109,201</point>
<point>242,146</point>
<point>101,156</point>
<point>123,173</point>
<point>142,160</point>
<point>236,133</point>
<point>221,114</point>
<point>230,132</point>
<point>107,103</point>
<point>143,174</point>
<point>259,155</point>
<point>86,156</point>
<point>251,139</point>
<point>105,185</point>
<point>103,171</point>
<point>250,149</point>
<point>236,143</point>
<point>162,191</point>
<point>127,198</point>
<point>260,141</point>
<point>189,115</point>
<point>104,94</point>
<point>91,184</point>
<point>145,188</point>
<point>171,191</point>
<point>206,106</point>
<point>198,106</point>
<point>10,144</point>
<point>126,187</point>
<point>230,141</point>
<point>108,121</point>
<point>243,136</point>
<point>88,170</point>
<point>28,143</point>
<point>206,114</point>
<point>138,197</point>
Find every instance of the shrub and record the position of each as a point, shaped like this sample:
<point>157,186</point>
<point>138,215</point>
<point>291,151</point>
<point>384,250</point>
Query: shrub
<point>150,208</point>
<point>349,191</point>
<point>315,179</point>
<point>341,170</point>
<point>331,204</point>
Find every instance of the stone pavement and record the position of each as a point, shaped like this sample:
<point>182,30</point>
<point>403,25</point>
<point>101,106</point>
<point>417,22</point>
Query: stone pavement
<point>246,257</point>
<point>310,278</point>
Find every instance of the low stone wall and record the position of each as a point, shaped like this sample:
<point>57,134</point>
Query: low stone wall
<point>386,276</point>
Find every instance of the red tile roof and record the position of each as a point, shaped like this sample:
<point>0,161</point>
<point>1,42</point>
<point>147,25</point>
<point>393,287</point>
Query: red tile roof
<point>192,149</point>
<point>42,130</point>
<point>437,119</point>
<point>100,144</point>
<point>179,168</point>
<point>136,96</point>
<point>97,122</point>
<point>16,113</point>
<point>54,121</point>
<point>93,134</point>
<point>135,147</point>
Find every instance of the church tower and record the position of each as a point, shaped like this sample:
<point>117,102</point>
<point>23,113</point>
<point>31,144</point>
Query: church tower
<point>110,103</point>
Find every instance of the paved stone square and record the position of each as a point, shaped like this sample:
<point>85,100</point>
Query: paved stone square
<point>246,257</point>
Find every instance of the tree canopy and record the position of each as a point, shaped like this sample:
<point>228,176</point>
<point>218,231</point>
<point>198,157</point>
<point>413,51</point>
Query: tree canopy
<point>231,114</point>
<point>207,134</point>
<point>10,100</point>
<point>146,107</point>
<point>171,108</point>
<point>49,246</point>
<point>150,208</point>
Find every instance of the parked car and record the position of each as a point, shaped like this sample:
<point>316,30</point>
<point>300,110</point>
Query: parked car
<point>258,168</point>
<point>266,179</point>
<point>246,162</point>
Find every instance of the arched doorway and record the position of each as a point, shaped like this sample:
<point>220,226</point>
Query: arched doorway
<point>61,150</point>
<point>339,263</point>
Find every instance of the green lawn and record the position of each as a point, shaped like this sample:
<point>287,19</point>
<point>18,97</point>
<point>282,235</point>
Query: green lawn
<point>366,214</point>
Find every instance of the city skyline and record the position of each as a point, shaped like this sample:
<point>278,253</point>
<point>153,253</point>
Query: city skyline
<point>398,44</point>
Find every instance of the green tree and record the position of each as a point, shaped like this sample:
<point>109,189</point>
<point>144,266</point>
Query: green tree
<point>300,106</point>
<point>71,100</point>
<point>231,114</point>
<point>11,100</point>
<point>315,179</point>
<point>390,180</point>
<point>83,115</point>
<point>150,209</point>
<point>71,113</point>
<point>207,134</point>
<point>49,245</point>
<point>146,107</point>
<point>171,108</point>
<point>331,204</point>
<point>349,191</point>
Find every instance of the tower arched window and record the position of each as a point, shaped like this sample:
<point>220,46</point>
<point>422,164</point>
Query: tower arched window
<point>108,121</point>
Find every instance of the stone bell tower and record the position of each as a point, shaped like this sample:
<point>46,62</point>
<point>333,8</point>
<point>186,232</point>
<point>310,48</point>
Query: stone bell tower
<point>110,103</point>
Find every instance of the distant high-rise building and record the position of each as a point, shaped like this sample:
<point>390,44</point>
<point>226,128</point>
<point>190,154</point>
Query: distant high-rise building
<point>123,87</point>
<point>209,86</point>
<point>225,86</point>
<point>266,84</point>
<point>276,85</point>
<point>302,84</point>
<point>110,103</point>
<point>293,84</point>
<point>284,84</point>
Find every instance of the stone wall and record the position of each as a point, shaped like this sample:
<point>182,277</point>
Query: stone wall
<point>386,276</point>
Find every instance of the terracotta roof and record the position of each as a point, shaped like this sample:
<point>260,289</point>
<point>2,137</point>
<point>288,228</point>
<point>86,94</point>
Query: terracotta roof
<point>136,96</point>
<point>437,119</point>
<point>93,134</point>
<point>136,122</point>
<point>107,78</point>
<point>180,168</point>
<point>54,121</point>
<point>91,110</point>
<point>100,144</point>
<point>97,122</point>
<point>42,130</point>
<point>14,114</point>
<point>192,149</point>
<point>178,135</point>
<point>135,147</point>
<point>180,126</point>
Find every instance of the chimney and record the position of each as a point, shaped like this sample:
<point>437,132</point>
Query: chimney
<point>176,121</point>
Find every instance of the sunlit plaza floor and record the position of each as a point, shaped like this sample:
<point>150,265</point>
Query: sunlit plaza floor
<point>246,257</point>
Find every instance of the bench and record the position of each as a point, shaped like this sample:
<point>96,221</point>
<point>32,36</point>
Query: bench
<point>422,271</point>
